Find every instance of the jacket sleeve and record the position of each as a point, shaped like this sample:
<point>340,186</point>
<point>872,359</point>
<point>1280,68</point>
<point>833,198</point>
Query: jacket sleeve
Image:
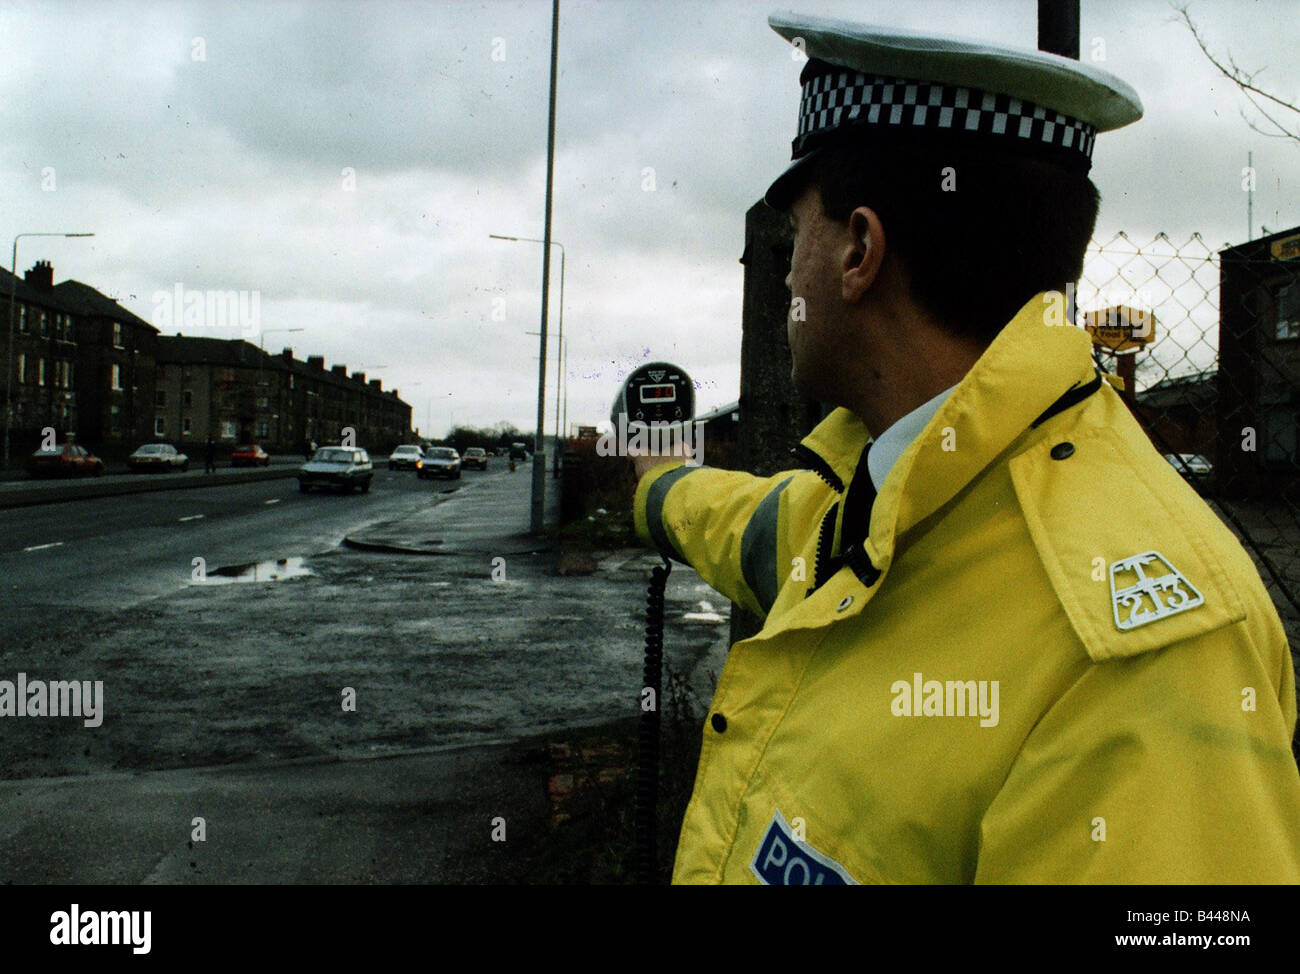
<point>723,523</point>
<point>1170,767</point>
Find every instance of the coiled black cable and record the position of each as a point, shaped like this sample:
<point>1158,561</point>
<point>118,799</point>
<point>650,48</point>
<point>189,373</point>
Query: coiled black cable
<point>647,778</point>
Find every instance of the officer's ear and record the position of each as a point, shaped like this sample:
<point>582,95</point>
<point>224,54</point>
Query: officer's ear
<point>864,253</point>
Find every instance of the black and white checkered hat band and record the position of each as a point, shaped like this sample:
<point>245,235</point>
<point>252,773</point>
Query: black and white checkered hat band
<point>839,98</point>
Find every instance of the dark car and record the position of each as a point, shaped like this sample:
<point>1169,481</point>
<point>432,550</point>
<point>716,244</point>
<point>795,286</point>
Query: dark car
<point>518,451</point>
<point>337,467</point>
<point>66,460</point>
<point>474,456</point>
<point>158,456</point>
<point>439,461</point>
<point>249,455</point>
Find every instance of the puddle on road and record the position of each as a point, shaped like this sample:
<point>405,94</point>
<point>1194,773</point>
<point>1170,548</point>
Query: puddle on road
<point>257,571</point>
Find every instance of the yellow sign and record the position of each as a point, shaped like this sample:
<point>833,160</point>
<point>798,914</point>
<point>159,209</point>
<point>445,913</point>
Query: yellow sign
<point>1286,248</point>
<point>1120,327</point>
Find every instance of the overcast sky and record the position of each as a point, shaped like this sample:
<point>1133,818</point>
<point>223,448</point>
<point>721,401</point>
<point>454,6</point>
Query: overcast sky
<point>209,144</point>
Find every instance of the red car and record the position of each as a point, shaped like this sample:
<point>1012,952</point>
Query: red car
<point>249,455</point>
<point>67,460</point>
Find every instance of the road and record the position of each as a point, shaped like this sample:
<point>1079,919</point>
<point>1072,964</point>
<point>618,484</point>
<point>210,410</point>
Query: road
<point>435,650</point>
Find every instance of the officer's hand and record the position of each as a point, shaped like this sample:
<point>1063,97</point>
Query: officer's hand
<point>644,465</point>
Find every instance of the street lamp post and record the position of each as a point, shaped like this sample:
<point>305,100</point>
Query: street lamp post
<point>9,356</point>
<point>261,359</point>
<point>559,344</point>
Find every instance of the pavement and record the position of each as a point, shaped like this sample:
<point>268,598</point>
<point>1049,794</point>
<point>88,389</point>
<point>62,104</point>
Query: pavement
<point>474,813</point>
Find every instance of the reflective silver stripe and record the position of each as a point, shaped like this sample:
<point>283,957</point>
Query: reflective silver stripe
<point>758,548</point>
<point>654,511</point>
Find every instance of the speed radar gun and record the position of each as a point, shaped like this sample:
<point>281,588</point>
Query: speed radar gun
<point>652,413</point>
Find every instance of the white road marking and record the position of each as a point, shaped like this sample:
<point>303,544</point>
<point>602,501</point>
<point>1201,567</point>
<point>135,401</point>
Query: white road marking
<point>41,547</point>
<point>192,517</point>
<point>273,500</point>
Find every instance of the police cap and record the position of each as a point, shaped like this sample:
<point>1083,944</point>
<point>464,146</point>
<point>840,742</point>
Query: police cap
<point>885,84</point>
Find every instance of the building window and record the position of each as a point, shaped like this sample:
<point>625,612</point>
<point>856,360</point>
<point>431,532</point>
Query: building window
<point>22,368</point>
<point>228,429</point>
<point>159,426</point>
<point>116,377</point>
<point>160,397</point>
<point>117,334</point>
<point>187,398</point>
<point>72,335</point>
<point>40,373</point>
<point>1288,311</point>
<point>70,378</point>
<point>22,318</point>
<point>45,325</point>
<point>263,429</point>
<point>115,418</point>
<point>186,426</point>
<point>262,402</point>
<point>290,381</point>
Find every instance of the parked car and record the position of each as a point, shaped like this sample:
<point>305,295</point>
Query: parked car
<point>474,456</point>
<point>518,451</point>
<point>405,457</point>
<point>439,461</point>
<point>1192,466</point>
<point>338,467</point>
<point>65,460</point>
<point>158,456</point>
<point>249,455</point>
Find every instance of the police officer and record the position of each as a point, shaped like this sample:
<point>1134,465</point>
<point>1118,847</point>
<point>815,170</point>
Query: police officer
<point>1003,640</point>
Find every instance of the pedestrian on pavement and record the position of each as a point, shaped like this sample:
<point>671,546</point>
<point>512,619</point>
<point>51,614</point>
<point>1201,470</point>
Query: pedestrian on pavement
<point>210,456</point>
<point>1003,641</point>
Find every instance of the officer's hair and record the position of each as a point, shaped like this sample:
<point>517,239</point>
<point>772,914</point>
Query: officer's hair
<point>976,253</point>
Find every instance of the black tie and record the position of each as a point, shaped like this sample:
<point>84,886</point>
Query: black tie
<point>857,522</point>
<point>857,504</point>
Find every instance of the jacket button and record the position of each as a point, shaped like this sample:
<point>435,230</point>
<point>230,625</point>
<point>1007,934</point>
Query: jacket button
<point>719,723</point>
<point>844,603</point>
<point>1063,450</point>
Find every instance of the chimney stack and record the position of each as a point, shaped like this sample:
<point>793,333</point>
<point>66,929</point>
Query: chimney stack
<point>41,276</point>
<point>340,370</point>
<point>316,362</point>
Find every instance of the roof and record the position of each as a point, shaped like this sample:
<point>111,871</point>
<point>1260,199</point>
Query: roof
<point>237,353</point>
<point>85,300</point>
<point>34,295</point>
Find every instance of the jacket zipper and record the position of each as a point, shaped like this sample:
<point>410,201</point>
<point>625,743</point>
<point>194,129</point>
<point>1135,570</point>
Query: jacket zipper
<point>811,459</point>
<point>825,540</point>
<point>814,462</point>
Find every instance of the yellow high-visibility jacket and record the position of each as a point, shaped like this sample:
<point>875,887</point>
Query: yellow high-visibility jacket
<point>1048,662</point>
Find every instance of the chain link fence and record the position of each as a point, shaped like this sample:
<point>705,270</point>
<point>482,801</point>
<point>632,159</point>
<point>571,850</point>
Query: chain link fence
<point>1217,384</point>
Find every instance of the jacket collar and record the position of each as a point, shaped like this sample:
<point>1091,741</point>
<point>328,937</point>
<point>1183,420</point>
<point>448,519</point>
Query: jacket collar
<point>1026,368</point>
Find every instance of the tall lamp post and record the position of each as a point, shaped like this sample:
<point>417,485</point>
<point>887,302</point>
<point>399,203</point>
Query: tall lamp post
<point>559,344</point>
<point>9,357</point>
<point>261,359</point>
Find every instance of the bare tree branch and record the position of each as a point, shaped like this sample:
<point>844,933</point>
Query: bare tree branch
<point>1245,80</point>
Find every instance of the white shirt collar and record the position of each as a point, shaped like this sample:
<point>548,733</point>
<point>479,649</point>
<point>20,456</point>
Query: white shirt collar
<point>890,444</point>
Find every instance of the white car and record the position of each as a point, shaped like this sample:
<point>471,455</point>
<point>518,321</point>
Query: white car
<point>405,458</point>
<point>1191,465</point>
